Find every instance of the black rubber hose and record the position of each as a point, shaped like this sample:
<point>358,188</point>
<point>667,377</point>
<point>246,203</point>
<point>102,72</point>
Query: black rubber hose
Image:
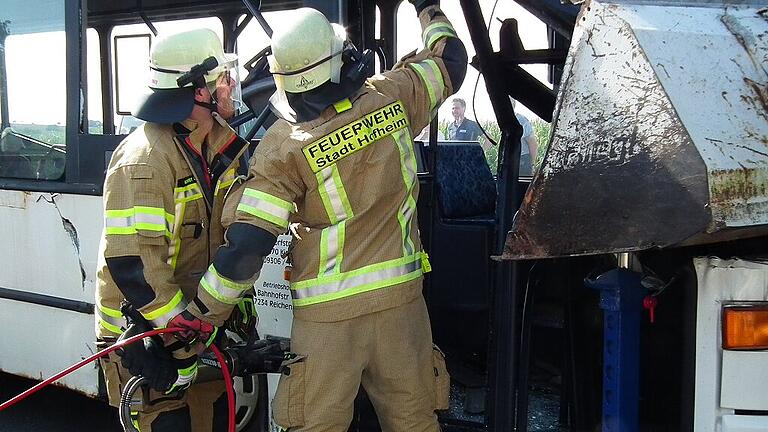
<point>124,410</point>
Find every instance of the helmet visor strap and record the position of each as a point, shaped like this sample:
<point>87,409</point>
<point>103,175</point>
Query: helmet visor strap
<point>306,68</point>
<point>209,105</point>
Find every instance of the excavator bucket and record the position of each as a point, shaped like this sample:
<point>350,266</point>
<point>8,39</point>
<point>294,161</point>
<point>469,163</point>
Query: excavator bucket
<point>660,132</point>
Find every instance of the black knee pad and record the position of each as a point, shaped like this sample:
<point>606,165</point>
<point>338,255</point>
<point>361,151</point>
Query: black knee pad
<point>177,420</point>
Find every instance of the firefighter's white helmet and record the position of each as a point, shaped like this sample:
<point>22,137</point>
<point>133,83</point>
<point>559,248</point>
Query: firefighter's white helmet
<point>171,57</point>
<point>306,51</point>
<point>174,55</point>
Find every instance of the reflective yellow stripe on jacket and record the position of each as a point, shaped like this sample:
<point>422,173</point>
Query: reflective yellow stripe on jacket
<point>265,206</point>
<point>339,210</point>
<point>159,317</point>
<point>109,319</point>
<point>435,32</point>
<point>368,278</point>
<point>433,81</point>
<point>128,221</point>
<point>223,289</point>
<point>183,196</point>
<point>408,171</point>
<point>225,181</point>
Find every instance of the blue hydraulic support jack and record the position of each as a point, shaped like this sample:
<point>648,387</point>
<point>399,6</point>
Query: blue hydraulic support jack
<point>621,298</point>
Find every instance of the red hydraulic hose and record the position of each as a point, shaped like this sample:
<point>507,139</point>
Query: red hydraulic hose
<point>102,353</point>
<point>228,386</point>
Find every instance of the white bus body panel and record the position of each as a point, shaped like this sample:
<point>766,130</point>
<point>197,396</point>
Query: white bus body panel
<point>727,381</point>
<point>745,423</point>
<point>274,305</point>
<point>50,246</point>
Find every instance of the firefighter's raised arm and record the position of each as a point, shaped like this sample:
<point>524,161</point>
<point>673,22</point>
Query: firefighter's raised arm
<point>424,80</point>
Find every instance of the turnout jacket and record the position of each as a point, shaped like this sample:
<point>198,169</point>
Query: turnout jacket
<point>348,176</point>
<point>163,199</point>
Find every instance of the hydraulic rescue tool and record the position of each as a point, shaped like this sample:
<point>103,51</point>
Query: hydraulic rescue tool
<point>239,359</point>
<point>251,356</point>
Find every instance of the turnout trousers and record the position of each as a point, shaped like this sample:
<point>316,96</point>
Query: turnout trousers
<point>389,353</point>
<point>201,408</point>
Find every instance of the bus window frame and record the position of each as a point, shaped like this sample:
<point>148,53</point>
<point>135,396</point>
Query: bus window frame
<point>87,154</point>
<point>74,73</point>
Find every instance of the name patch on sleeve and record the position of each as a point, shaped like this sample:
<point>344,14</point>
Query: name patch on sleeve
<point>355,136</point>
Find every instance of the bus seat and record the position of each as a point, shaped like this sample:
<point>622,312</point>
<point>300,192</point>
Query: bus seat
<point>465,186</point>
<point>461,248</point>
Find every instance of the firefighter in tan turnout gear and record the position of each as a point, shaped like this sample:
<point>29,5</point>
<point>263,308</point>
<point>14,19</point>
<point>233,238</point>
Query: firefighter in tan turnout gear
<point>340,166</point>
<point>163,200</point>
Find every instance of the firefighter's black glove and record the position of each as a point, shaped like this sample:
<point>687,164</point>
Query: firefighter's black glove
<point>420,5</point>
<point>244,318</point>
<point>148,358</point>
<point>264,356</point>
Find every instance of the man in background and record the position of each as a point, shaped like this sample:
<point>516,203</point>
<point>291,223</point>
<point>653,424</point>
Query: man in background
<point>528,144</point>
<point>462,129</point>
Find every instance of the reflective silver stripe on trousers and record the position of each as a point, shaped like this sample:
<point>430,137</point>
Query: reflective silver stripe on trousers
<point>357,281</point>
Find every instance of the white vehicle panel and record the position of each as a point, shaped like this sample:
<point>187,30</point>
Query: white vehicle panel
<point>721,282</point>
<point>274,305</point>
<point>745,380</point>
<point>50,248</point>
<point>743,423</point>
<point>40,341</point>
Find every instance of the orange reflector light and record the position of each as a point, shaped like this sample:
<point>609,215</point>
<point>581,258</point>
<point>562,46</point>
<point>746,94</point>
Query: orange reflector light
<point>745,327</point>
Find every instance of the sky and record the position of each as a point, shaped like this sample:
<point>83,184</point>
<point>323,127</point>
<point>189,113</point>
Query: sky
<point>533,33</point>
<point>35,62</point>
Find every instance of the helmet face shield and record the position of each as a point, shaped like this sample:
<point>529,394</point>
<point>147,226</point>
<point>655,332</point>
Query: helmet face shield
<point>224,84</point>
<point>281,107</point>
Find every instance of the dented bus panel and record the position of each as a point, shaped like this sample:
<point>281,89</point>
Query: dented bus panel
<point>49,253</point>
<point>660,133</point>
